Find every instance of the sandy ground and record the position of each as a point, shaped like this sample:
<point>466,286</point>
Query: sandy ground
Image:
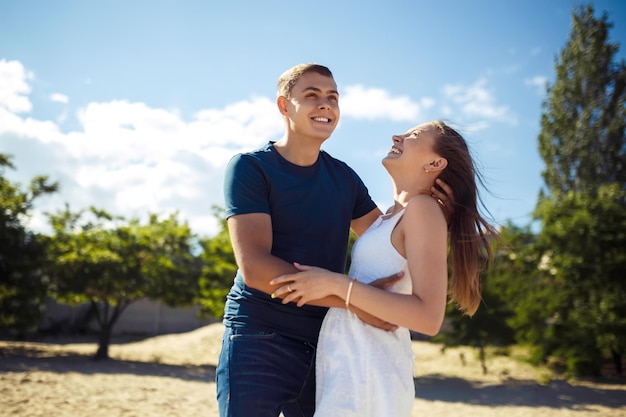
<point>173,375</point>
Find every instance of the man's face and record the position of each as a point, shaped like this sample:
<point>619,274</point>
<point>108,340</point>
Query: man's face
<point>313,107</point>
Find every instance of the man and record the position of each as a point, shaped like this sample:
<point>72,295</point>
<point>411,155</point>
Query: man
<point>287,202</point>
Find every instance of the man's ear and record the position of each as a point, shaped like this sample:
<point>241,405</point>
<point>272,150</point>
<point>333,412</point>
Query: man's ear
<point>281,102</point>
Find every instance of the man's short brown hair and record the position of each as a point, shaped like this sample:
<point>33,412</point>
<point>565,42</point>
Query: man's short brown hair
<point>290,77</point>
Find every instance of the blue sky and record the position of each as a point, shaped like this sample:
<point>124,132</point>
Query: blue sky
<point>136,106</point>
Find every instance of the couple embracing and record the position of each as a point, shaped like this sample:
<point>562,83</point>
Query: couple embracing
<point>303,338</point>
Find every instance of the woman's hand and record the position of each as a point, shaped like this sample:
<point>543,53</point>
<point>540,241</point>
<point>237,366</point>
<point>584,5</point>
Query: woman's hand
<point>311,283</point>
<point>445,197</point>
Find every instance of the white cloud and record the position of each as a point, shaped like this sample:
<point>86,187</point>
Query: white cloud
<point>537,82</point>
<point>59,98</point>
<point>14,87</point>
<point>27,127</point>
<point>131,159</point>
<point>375,103</point>
<point>477,102</point>
<point>239,124</point>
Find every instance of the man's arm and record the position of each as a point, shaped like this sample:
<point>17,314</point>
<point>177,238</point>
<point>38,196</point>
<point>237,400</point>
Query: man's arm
<point>251,237</point>
<point>360,225</point>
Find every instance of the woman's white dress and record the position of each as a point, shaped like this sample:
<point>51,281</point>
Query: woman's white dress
<point>362,370</point>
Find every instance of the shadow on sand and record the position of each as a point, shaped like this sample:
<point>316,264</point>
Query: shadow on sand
<point>20,359</point>
<point>557,394</point>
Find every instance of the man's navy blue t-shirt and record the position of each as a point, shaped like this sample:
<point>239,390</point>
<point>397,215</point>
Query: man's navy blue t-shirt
<point>311,209</point>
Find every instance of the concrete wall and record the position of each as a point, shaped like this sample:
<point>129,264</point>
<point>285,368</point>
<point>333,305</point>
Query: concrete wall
<point>143,317</point>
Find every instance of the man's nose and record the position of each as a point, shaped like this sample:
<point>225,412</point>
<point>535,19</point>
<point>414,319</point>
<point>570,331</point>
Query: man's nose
<point>324,104</point>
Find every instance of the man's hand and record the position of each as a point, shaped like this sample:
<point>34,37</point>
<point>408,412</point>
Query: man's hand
<point>373,321</point>
<point>445,197</point>
<point>383,284</point>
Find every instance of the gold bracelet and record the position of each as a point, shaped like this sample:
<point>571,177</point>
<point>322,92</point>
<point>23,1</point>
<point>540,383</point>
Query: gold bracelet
<point>349,293</point>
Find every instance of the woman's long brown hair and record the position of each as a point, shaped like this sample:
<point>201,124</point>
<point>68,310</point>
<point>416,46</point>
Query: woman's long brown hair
<point>469,231</point>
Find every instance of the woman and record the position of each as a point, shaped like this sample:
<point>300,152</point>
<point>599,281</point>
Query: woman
<point>366,371</point>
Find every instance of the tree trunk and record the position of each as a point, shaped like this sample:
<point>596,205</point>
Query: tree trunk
<point>104,342</point>
<point>617,360</point>
<point>482,356</point>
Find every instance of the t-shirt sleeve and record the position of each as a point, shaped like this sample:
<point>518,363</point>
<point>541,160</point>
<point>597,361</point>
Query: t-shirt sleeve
<point>364,203</point>
<point>245,187</point>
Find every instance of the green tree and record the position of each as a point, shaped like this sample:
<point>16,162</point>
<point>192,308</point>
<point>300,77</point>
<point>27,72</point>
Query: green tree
<point>23,285</point>
<point>584,245</point>
<point>583,205</point>
<point>110,264</point>
<point>517,279</point>
<point>582,125</point>
<point>218,268</point>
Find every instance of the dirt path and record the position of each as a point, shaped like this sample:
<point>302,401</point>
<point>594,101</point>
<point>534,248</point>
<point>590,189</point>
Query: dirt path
<point>173,375</point>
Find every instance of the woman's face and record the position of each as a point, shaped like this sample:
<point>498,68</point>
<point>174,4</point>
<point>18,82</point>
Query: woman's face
<point>415,146</point>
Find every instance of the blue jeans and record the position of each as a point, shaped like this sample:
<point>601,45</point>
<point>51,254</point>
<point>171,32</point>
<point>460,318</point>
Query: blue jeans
<point>262,374</point>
